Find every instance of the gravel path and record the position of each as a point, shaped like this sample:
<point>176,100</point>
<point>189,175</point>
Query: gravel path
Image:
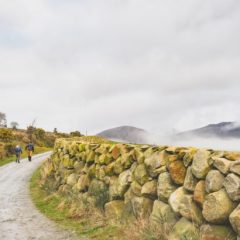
<point>19,219</point>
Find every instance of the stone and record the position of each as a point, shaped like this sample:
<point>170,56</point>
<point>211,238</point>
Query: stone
<point>189,209</point>
<point>184,229</point>
<point>162,213</point>
<point>117,166</point>
<point>83,183</point>
<point>68,162</point>
<point>234,219</point>
<point>83,156</point>
<point>222,164</point>
<point>92,171</point>
<point>114,209</point>
<point>188,157</point>
<point>109,170</point>
<point>128,196</point>
<point>100,172</point>
<point>233,156</point>
<point>127,159</point>
<point>104,159</point>
<point>136,188</point>
<point>113,189</point>
<point>171,150</point>
<point>81,147</point>
<point>116,152</point>
<point>142,207</point>
<point>235,167</point>
<point>139,155</point>
<point>119,185</point>
<point>217,232</point>
<point>103,149</point>
<point>172,158</point>
<point>72,179</point>
<point>148,152</point>
<point>177,171</point>
<point>149,189</point>
<point>155,161</point>
<point>165,187</point>
<point>124,180</point>
<point>217,207</point>
<point>78,166</point>
<point>232,186</point>
<point>201,165</point>
<point>99,190</point>
<point>90,158</point>
<point>140,174</point>
<point>160,170</point>
<point>214,181</point>
<point>190,180</point>
<point>199,192</point>
<point>85,169</point>
<point>176,199</point>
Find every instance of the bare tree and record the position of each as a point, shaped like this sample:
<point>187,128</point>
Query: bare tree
<point>3,120</point>
<point>14,125</point>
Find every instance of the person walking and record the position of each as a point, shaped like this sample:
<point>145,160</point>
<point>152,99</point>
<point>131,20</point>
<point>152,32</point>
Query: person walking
<point>18,152</point>
<point>30,149</point>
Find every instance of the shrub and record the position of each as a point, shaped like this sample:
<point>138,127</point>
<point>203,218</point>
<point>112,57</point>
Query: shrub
<point>9,149</point>
<point>39,133</point>
<point>75,134</point>
<point>6,135</point>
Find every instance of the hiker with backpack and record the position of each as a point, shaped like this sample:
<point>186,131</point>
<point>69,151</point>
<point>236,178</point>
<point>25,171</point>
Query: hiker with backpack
<point>18,152</point>
<point>30,149</point>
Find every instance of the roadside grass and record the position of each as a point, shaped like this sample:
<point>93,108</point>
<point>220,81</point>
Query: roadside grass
<point>84,224</point>
<point>12,158</point>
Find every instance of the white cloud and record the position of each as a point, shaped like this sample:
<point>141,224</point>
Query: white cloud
<point>91,65</point>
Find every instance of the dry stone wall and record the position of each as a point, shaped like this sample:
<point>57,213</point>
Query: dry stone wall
<point>197,191</point>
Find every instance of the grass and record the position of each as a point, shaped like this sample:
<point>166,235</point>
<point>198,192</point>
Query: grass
<point>24,155</point>
<point>84,223</point>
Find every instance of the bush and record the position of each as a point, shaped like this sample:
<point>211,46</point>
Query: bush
<point>6,135</point>
<point>2,150</point>
<point>39,133</point>
<point>75,134</point>
<point>9,149</point>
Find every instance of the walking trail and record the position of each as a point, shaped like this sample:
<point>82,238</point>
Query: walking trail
<point>19,219</point>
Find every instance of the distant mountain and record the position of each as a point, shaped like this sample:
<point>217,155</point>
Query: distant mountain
<point>126,134</point>
<point>220,130</point>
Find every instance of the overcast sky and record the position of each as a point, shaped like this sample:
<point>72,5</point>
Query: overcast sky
<point>161,65</point>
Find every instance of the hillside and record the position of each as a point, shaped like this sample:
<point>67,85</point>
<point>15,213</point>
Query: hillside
<point>219,130</point>
<point>9,138</point>
<point>126,134</point>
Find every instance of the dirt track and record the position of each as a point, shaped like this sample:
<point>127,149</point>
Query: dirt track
<point>19,219</point>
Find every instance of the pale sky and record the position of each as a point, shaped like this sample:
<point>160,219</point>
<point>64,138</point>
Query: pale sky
<point>96,64</point>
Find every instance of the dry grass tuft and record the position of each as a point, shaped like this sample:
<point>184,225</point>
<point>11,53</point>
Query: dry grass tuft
<point>146,230</point>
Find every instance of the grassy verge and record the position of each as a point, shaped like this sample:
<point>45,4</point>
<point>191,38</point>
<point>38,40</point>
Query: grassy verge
<point>24,155</point>
<point>58,209</point>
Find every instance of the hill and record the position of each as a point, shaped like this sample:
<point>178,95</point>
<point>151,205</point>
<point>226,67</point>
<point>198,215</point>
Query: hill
<point>9,138</point>
<point>126,134</point>
<point>219,130</point>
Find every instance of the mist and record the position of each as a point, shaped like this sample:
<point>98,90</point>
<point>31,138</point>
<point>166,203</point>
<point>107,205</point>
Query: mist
<point>210,142</point>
